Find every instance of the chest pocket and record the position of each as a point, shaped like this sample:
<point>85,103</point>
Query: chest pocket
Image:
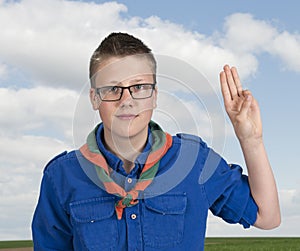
<point>163,220</point>
<point>95,223</point>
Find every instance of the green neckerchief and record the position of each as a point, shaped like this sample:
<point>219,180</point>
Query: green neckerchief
<point>161,143</point>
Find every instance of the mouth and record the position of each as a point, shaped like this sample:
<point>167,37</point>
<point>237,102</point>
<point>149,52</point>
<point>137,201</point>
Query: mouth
<point>126,116</point>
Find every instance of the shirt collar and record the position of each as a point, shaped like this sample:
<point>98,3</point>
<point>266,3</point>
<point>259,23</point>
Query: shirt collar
<point>116,163</point>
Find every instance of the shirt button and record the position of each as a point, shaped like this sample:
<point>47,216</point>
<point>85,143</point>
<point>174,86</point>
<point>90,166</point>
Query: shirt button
<point>129,180</point>
<point>133,216</point>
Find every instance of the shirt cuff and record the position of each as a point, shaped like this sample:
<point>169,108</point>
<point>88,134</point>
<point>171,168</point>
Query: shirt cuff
<point>250,214</point>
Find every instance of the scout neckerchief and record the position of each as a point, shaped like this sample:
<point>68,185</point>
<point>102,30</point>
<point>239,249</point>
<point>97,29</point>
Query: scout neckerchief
<point>161,143</point>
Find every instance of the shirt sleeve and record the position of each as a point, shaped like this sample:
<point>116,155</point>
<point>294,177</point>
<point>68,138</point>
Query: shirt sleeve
<point>228,193</point>
<point>50,226</point>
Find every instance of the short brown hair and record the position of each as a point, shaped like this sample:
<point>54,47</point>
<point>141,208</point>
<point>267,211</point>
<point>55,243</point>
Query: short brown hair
<point>120,45</point>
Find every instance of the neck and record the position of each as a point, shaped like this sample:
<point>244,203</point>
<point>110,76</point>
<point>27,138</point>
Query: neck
<point>126,148</point>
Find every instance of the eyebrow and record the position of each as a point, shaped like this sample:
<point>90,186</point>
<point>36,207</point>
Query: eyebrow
<point>136,80</point>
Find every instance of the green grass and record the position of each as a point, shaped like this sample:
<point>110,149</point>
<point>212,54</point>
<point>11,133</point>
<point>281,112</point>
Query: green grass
<point>217,244</point>
<point>15,244</point>
<point>252,244</point>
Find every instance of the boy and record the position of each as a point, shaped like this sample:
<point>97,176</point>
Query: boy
<point>108,195</point>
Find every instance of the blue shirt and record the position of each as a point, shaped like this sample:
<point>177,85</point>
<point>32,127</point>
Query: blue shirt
<point>74,212</point>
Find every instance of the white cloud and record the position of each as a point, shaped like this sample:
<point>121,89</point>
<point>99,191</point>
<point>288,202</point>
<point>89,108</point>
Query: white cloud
<point>40,110</point>
<point>52,41</point>
<point>29,149</point>
<point>37,109</point>
<point>177,113</point>
<point>287,47</point>
<point>3,71</point>
<point>22,161</point>
<point>201,51</point>
<point>290,201</point>
<point>245,35</point>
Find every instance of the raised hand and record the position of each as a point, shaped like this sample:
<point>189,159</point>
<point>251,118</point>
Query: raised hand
<point>240,105</point>
<point>244,114</point>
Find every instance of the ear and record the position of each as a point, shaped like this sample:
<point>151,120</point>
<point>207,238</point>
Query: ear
<point>95,99</point>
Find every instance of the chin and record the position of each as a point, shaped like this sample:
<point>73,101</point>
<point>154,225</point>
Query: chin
<point>132,132</point>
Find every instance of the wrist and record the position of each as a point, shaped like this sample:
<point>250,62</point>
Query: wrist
<point>251,143</point>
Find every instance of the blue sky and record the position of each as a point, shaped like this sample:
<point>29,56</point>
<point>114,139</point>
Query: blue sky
<point>44,51</point>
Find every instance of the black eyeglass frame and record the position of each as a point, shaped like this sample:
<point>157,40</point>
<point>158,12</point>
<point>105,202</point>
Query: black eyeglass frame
<point>122,91</point>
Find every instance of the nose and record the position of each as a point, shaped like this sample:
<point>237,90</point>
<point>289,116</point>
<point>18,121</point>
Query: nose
<point>126,96</point>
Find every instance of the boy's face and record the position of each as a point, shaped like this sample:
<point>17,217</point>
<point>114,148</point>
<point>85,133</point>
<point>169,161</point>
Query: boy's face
<point>126,117</point>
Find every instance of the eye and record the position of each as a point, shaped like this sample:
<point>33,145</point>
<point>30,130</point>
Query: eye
<point>109,90</point>
<point>142,87</point>
<point>112,89</point>
<point>138,87</point>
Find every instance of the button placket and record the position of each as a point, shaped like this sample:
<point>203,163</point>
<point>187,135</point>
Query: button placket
<point>134,230</point>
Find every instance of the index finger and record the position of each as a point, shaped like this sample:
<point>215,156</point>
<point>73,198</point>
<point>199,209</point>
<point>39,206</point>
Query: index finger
<point>225,88</point>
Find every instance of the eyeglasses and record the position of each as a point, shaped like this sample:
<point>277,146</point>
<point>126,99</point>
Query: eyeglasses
<point>114,93</point>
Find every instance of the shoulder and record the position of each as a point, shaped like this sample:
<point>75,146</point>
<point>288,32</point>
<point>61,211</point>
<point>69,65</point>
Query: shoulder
<point>189,146</point>
<point>190,139</point>
<point>60,160</point>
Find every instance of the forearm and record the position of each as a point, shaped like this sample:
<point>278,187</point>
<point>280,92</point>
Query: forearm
<point>262,183</point>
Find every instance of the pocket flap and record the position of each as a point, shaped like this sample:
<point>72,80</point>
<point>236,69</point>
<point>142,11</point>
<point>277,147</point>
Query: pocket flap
<point>91,210</point>
<point>167,203</point>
